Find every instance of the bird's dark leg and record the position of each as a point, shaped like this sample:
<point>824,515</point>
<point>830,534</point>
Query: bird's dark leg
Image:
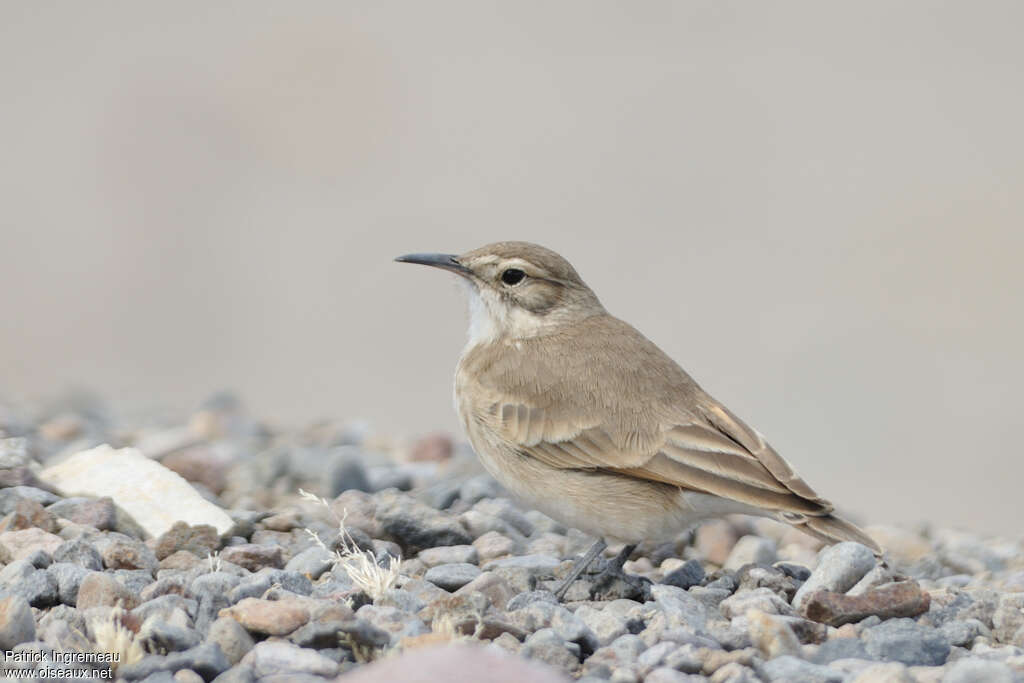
<point>638,586</point>
<point>581,566</point>
<point>621,558</point>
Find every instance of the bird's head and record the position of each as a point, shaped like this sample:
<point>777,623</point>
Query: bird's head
<point>517,290</point>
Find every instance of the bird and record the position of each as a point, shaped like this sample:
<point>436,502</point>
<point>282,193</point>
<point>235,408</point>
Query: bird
<point>578,415</point>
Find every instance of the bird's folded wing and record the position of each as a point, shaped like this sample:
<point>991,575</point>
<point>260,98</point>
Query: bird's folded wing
<point>713,452</point>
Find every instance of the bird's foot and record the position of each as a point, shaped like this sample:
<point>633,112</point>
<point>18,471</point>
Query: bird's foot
<point>612,583</point>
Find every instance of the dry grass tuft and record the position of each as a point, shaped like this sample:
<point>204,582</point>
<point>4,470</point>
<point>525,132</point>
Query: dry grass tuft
<point>362,566</point>
<point>114,636</point>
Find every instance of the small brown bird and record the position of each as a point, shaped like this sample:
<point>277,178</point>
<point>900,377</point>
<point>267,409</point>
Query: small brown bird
<point>583,418</point>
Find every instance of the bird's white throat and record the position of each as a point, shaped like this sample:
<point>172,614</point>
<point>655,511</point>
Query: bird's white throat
<point>491,317</point>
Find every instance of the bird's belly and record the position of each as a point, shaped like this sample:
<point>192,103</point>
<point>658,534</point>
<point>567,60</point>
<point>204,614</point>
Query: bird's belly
<point>616,507</point>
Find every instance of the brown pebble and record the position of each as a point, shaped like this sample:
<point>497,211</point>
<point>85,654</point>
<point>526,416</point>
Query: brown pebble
<point>254,557</point>
<point>28,514</point>
<point>902,599</point>
<point>269,617</point>
<point>103,590</point>
<point>432,448</point>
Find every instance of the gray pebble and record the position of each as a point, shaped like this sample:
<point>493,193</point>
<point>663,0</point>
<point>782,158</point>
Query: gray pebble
<point>545,645</point>
<point>396,623</point>
<point>237,674</point>
<point>232,638</point>
<point>680,608</point>
<point>452,577</point>
<point>416,525</point>
<point>17,625</point>
<point>311,562</point>
<point>840,567</point>
<point>135,580</point>
<point>750,550</point>
<point>666,675</point>
<point>68,577</point>
<point>211,592</point>
<point>162,637</point>
<point>533,563</point>
<point>840,648</point>
<point>207,660</point>
<point>523,599</point>
<point>973,669</point>
<point>788,668</point>
<point>961,633</point>
<point>345,471</point>
<point>80,552</point>
<point>37,586</point>
<point>478,488</point>
<point>449,554</point>
<point>605,625</point>
<point>10,496</point>
<point>690,574</point>
<point>573,629</point>
<point>906,641</point>
<point>39,558</point>
<point>622,653</point>
<point>275,658</point>
<point>402,599</point>
<point>763,599</point>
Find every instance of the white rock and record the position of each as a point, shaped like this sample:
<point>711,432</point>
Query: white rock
<point>153,495</point>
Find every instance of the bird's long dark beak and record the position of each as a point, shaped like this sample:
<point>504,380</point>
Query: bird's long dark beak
<point>446,261</point>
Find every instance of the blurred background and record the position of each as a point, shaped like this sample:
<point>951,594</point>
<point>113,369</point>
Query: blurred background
<point>816,208</point>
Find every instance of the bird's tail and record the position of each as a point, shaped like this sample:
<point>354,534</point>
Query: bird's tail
<point>832,529</point>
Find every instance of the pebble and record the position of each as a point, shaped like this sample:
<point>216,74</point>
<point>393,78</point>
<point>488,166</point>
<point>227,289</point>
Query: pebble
<point>688,575</point>
<point>98,513</point>
<point>35,585</point>
<point>973,670</point>
<point>495,588</point>
<point>267,617</point>
<point>393,621</point>
<point>254,557</point>
<point>449,554</point>
<point>771,635</point>
<point>143,488</point>
<point>788,668</point>
<point>10,496</point>
<point>839,568</point>
<point>680,607</point>
<point>415,525</point>
<point>79,552</point>
<point>17,625</point>
<point>451,577</point>
<point>891,672</point>
<point>906,641</point>
<point>545,645</point>
<point>23,542</point>
<point>902,599</point>
<point>311,562</point>
<point>477,568</point>
<point>605,625</point>
<point>100,589</point>
<point>280,658</point>
<point>493,545</point>
<point>761,599</point>
<point>621,653</point>
<point>201,540</point>
<point>121,552</point>
<point>207,660</point>
<point>69,579</point>
<point>750,550</point>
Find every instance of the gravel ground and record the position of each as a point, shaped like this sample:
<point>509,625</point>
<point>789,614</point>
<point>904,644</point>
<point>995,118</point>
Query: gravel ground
<point>317,553</point>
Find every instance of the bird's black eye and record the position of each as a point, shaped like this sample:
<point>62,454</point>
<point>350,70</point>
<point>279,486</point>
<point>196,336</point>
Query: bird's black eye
<point>512,276</point>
